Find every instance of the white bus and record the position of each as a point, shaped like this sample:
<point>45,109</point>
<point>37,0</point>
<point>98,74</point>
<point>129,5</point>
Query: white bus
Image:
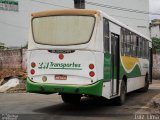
<point>80,52</point>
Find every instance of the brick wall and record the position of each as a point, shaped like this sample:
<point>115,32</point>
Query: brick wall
<point>12,58</point>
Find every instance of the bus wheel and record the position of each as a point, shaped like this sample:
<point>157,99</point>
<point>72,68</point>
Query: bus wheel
<point>121,99</point>
<point>71,98</point>
<point>146,86</point>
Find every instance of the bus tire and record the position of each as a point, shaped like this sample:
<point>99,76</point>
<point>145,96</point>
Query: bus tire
<point>146,86</point>
<point>122,98</point>
<point>71,98</point>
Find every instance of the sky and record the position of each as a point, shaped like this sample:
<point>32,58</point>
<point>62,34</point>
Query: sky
<point>14,32</point>
<point>155,8</point>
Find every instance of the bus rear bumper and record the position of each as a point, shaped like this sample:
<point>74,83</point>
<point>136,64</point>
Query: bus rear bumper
<point>91,89</point>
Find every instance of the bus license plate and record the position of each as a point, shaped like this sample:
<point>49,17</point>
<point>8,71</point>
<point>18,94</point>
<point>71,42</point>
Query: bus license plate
<point>60,77</point>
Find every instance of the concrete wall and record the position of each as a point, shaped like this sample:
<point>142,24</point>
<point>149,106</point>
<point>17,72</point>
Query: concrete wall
<point>15,24</point>
<point>156,66</point>
<point>13,59</point>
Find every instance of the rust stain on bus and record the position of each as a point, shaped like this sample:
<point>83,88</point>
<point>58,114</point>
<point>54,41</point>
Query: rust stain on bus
<point>65,12</point>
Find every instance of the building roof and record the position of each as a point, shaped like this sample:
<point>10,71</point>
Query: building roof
<point>156,22</point>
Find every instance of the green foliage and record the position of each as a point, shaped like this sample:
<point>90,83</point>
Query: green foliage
<point>156,45</point>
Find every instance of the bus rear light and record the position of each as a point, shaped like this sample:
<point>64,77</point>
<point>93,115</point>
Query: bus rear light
<point>91,66</point>
<point>92,74</point>
<point>33,64</point>
<point>61,56</point>
<point>32,71</point>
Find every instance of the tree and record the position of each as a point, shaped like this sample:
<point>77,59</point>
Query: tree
<point>156,45</point>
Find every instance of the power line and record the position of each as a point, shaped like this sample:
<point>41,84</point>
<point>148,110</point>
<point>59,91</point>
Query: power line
<point>128,17</point>
<point>50,3</point>
<point>122,9</point>
<point>87,3</point>
<point>103,5</point>
<point>12,25</point>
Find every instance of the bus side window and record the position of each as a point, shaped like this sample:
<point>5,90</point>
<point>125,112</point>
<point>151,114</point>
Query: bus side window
<point>122,41</point>
<point>140,47</point>
<point>131,44</point>
<point>137,46</point>
<point>128,43</point>
<point>147,56</point>
<point>125,42</point>
<point>106,34</point>
<point>143,48</point>
<point>133,48</point>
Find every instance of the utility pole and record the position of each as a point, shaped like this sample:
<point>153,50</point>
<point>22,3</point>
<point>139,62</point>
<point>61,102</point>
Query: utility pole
<point>79,4</point>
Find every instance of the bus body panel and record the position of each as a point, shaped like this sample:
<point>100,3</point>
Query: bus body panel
<point>135,83</point>
<point>106,91</point>
<point>75,66</point>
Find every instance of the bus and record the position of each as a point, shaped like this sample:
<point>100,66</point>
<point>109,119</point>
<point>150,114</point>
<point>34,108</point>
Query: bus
<point>82,52</point>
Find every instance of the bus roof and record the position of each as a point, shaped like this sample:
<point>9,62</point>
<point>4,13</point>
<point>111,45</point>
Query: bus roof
<point>84,12</point>
<point>123,25</point>
<point>65,11</point>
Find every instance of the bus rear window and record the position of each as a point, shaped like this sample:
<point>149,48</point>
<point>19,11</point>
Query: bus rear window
<point>62,30</point>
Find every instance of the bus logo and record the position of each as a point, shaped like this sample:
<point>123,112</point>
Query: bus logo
<point>64,66</point>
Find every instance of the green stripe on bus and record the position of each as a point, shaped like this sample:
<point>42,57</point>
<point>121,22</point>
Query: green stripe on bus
<point>136,72</point>
<point>91,89</point>
<point>107,67</point>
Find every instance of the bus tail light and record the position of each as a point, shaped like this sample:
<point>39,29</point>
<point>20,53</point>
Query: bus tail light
<point>92,74</point>
<point>61,56</point>
<point>33,64</point>
<point>32,71</point>
<point>91,66</point>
